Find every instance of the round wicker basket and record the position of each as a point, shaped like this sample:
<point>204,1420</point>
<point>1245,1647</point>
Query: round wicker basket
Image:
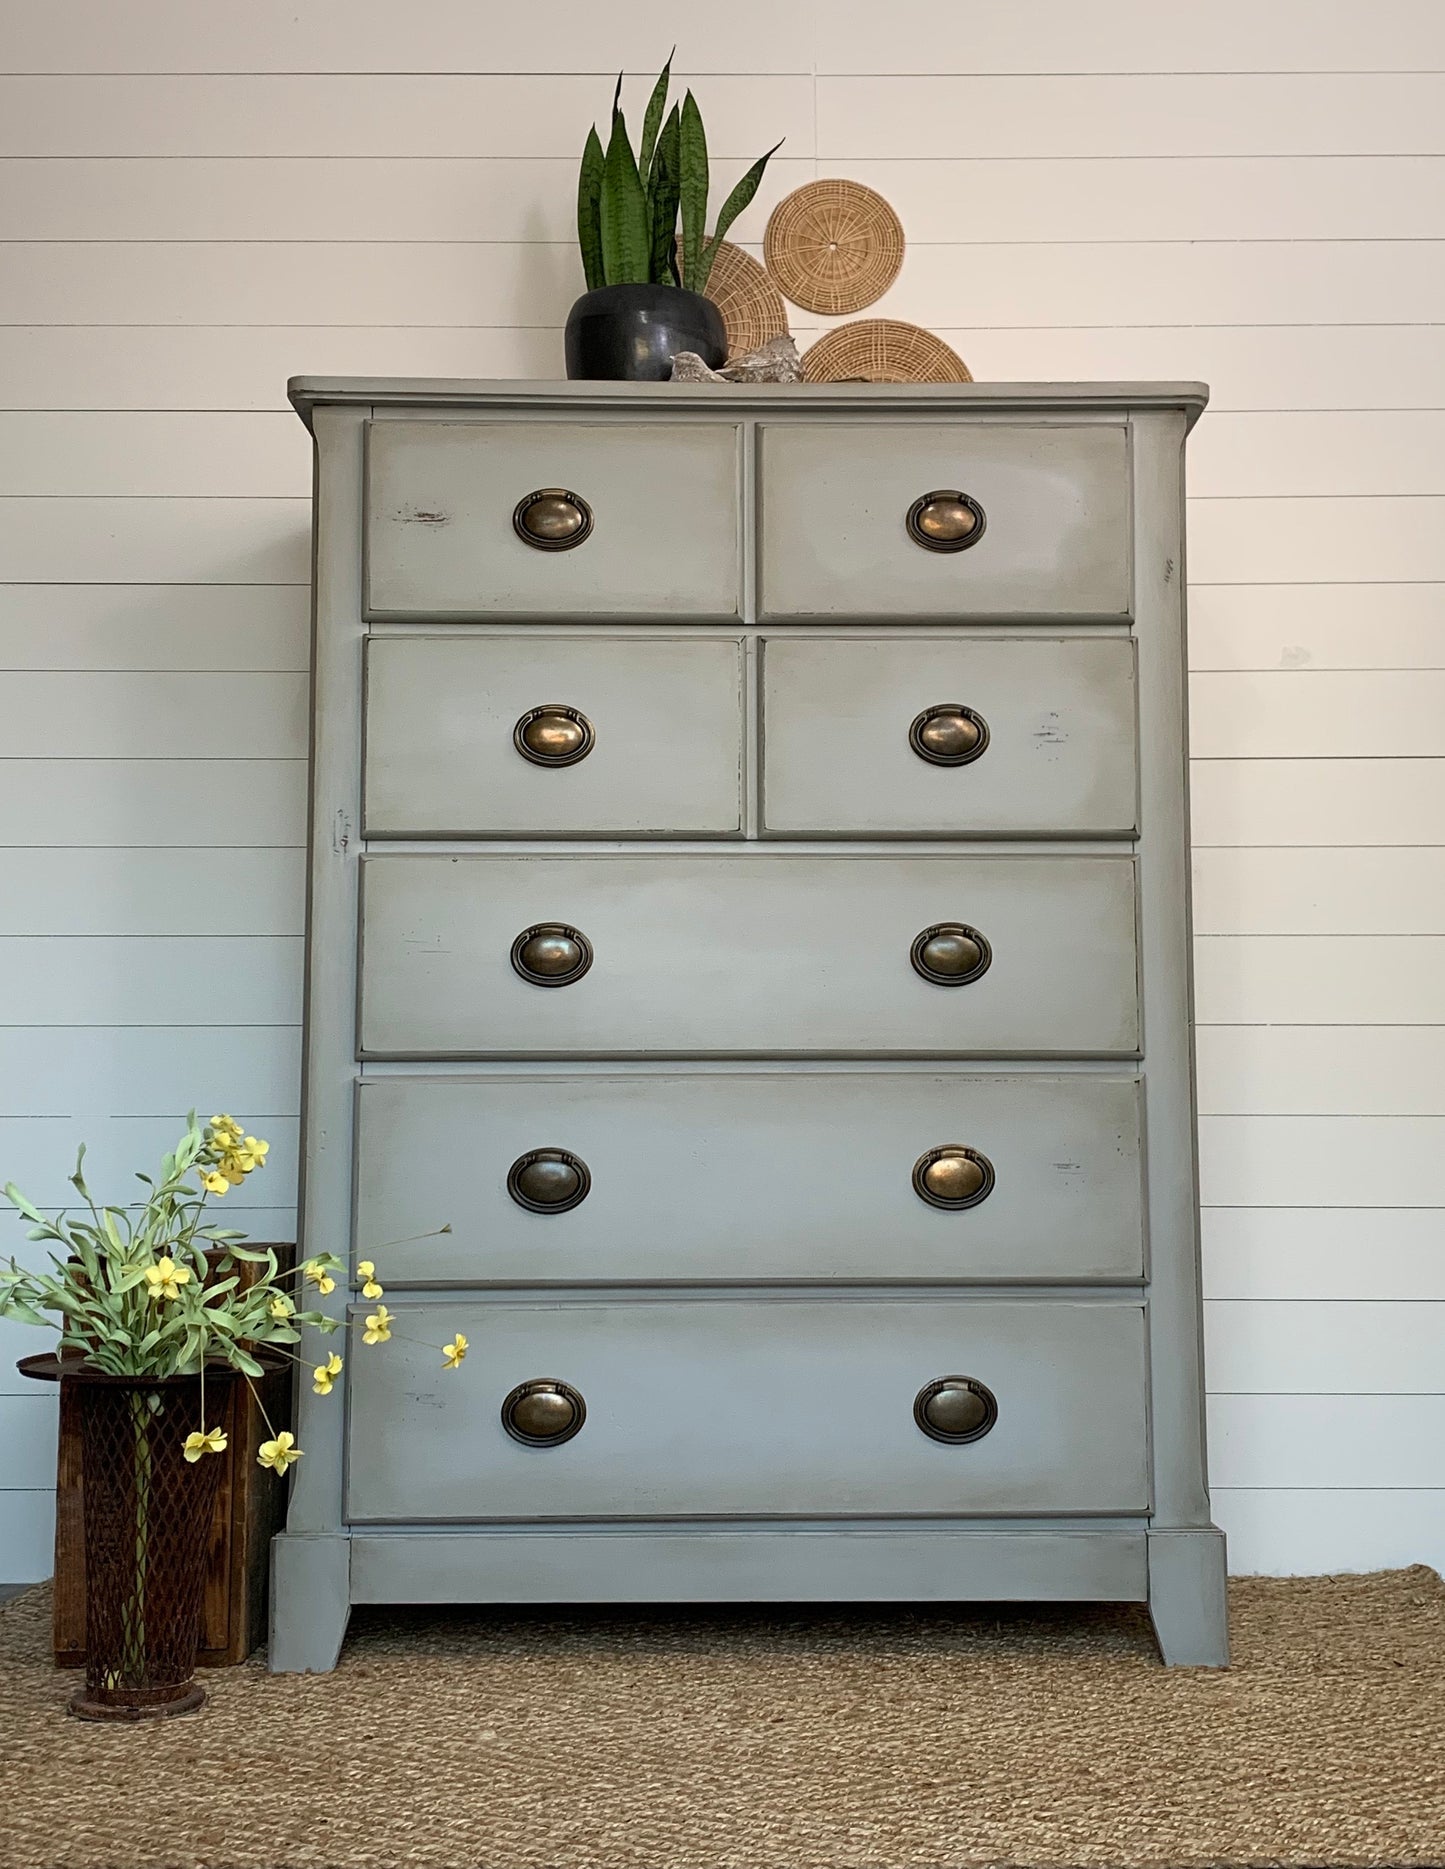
<point>833,246</point>
<point>752,307</point>
<point>882,350</point>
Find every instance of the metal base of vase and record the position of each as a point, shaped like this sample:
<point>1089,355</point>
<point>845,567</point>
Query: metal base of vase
<point>85,1707</point>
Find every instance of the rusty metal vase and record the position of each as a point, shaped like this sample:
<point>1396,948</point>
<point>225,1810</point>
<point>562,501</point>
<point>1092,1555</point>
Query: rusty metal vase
<point>148,1514</point>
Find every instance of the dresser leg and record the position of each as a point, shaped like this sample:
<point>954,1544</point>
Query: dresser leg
<point>310,1601</point>
<point>1187,1598</point>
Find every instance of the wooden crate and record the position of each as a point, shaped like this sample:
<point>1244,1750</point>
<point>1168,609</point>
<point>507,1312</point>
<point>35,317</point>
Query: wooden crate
<point>250,1508</point>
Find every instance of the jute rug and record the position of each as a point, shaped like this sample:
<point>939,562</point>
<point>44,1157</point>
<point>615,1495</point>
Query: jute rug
<point>788,1739</point>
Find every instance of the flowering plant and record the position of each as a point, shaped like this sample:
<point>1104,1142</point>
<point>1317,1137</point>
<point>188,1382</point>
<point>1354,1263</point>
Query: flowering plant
<point>153,1290</point>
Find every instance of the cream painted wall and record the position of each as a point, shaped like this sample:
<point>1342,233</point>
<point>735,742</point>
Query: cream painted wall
<point>198,200</point>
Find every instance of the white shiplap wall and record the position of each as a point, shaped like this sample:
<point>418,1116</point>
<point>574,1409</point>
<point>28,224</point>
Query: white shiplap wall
<point>199,200</point>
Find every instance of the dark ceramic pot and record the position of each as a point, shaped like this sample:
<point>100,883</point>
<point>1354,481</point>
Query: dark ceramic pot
<point>632,333</point>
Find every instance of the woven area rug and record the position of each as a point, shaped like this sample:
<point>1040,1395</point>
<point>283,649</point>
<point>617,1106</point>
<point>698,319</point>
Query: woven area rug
<point>785,1739</point>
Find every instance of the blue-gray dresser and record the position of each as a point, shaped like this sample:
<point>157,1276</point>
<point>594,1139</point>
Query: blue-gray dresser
<point>749,901</point>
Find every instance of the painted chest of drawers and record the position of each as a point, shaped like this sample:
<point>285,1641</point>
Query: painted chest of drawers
<point>749,902</point>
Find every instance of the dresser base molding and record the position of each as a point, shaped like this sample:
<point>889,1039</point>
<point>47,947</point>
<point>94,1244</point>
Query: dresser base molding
<point>1187,1597</point>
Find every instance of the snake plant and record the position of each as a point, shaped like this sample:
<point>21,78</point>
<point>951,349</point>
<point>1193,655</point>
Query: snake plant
<point>628,204</point>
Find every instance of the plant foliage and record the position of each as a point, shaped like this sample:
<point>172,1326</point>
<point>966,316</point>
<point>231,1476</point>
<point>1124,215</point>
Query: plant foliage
<point>628,205</point>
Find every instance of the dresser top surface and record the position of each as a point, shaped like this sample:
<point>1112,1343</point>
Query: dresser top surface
<point>308,393</point>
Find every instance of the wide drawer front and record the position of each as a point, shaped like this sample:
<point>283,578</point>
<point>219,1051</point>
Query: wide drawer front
<point>630,519</point>
<point>566,736</point>
<point>757,953</point>
<point>849,528</point>
<point>949,736</point>
<point>760,1407</point>
<point>813,1175</point>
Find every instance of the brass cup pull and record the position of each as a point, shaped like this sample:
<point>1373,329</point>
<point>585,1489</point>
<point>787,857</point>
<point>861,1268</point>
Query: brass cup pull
<point>554,735</point>
<point>543,1412</point>
<point>552,519</point>
<point>949,734</point>
<point>955,1409</point>
<point>950,954</point>
<point>551,954</point>
<point>548,1181</point>
<point>945,521</point>
<point>953,1177</point>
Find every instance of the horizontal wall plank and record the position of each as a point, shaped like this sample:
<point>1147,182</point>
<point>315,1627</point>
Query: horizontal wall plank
<point>149,892</point>
<point>1319,1252</point>
<point>122,715</point>
<point>244,454</point>
<point>38,1154</point>
<point>1291,541</point>
<point>55,1072</point>
<point>28,1428</point>
<point>172,541</point>
<point>522,114</point>
<point>1317,452</point>
<point>1317,626</point>
<point>1320,1070</point>
<point>246,367</point>
<point>1349,800</point>
<point>1114,114</point>
<point>502,198</point>
<point>1319,980</point>
<point>123,980</point>
<point>1292,1348</point>
<point>1316,713</point>
<point>189,803</point>
<point>1327,1161</point>
<point>27,1536</point>
<point>1305,1532</point>
<point>1098,283</point>
<point>263,629</point>
<point>1332,892</point>
<point>1365,1441</point>
<point>494,199</point>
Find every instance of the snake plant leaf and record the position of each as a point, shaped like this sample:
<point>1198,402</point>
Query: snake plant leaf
<point>626,234</point>
<point>693,172</point>
<point>652,120</point>
<point>589,210</point>
<point>663,189</point>
<point>731,209</point>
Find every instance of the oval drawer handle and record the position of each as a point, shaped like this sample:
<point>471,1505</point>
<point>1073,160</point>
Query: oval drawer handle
<point>945,521</point>
<point>552,519</point>
<point>551,954</point>
<point>949,734</point>
<point>553,735</point>
<point>543,1412</point>
<point>950,954</point>
<point>955,1409</point>
<point>548,1181</point>
<point>952,1177</point>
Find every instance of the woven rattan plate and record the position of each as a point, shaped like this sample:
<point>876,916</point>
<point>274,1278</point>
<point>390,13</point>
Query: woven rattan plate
<point>833,246</point>
<point>883,350</point>
<point>752,307</point>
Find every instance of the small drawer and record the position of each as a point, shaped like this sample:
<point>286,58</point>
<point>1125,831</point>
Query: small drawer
<point>950,736</point>
<point>498,736</point>
<point>629,519</point>
<point>768,1406</point>
<point>651,1177</point>
<point>747,952</point>
<point>945,519</point>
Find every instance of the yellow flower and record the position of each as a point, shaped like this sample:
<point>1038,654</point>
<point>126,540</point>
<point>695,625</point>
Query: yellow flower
<point>258,1151</point>
<point>317,1275</point>
<point>214,1182</point>
<point>223,1127</point>
<point>453,1352</point>
<point>280,1307</point>
<point>366,1272</point>
<point>325,1374</point>
<point>280,1453</point>
<point>378,1326</point>
<point>166,1278</point>
<point>212,1441</point>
